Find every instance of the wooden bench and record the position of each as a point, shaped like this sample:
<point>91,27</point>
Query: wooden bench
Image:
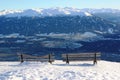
<point>81,57</point>
<point>46,58</point>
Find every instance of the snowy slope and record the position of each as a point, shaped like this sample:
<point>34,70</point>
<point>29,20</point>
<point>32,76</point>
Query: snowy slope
<point>102,10</point>
<point>59,71</point>
<point>44,12</point>
<point>56,11</point>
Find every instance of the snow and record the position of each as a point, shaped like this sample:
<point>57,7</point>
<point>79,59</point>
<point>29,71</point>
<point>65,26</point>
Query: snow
<point>61,44</point>
<point>44,12</point>
<point>72,36</point>
<point>20,41</point>
<point>56,11</point>
<point>102,10</point>
<point>14,35</point>
<point>110,30</point>
<point>85,70</point>
<point>89,34</point>
<point>88,14</point>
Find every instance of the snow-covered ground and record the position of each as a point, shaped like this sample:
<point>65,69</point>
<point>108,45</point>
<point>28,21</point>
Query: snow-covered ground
<point>85,70</point>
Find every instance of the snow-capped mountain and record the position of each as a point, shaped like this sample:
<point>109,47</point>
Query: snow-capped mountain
<point>112,15</point>
<point>56,11</point>
<point>102,10</point>
<point>65,20</point>
<point>44,12</point>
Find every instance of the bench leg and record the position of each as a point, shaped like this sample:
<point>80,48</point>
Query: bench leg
<point>21,58</point>
<point>95,62</point>
<point>67,62</point>
<point>50,58</point>
<point>67,59</point>
<point>50,62</point>
<point>95,59</point>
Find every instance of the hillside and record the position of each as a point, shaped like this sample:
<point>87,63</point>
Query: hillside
<point>58,20</point>
<point>58,24</point>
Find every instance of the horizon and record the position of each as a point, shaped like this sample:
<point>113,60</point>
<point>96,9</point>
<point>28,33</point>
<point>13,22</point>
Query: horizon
<point>58,7</point>
<point>31,4</point>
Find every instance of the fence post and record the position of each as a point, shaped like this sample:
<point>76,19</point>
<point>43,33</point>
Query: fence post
<point>67,59</point>
<point>21,58</point>
<point>95,59</point>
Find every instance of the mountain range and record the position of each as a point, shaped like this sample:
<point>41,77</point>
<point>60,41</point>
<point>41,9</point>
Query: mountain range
<point>60,30</point>
<point>56,11</point>
<point>44,12</point>
<point>59,20</point>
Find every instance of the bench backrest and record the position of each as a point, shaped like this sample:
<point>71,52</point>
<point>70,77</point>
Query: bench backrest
<point>81,56</point>
<point>45,58</point>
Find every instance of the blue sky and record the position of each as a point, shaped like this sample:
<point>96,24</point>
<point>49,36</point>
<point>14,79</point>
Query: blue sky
<point>27,4</point>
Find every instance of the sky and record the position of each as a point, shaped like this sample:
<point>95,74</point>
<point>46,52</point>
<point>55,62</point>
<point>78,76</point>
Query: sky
<point>28,4</point>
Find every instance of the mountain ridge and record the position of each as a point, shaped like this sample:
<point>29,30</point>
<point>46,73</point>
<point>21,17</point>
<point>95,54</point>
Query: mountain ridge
<point>56,11</point>
<point>44,12</point>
